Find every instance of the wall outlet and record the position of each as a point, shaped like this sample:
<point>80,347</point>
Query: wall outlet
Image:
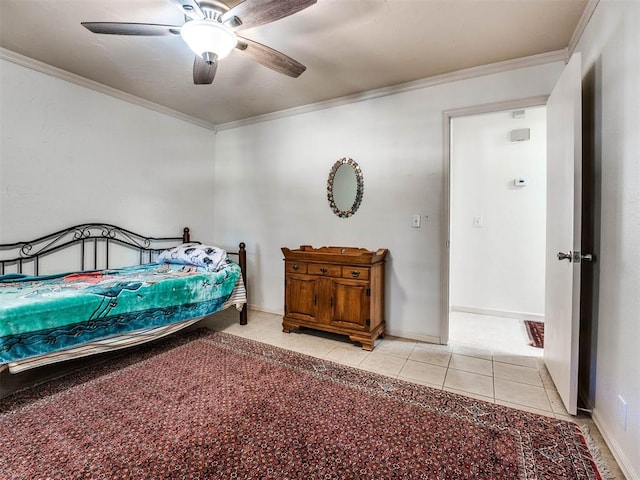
<point>622,412</point>
<point>478,222</point>
<point>415,220</point>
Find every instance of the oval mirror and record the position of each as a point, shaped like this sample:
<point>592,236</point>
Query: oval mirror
<point>345,187</point>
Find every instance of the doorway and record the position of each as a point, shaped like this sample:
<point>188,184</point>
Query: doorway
<point>496,162</point>
<point>565,209</point>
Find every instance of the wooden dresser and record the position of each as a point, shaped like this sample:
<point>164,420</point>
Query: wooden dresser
<point>335,289</point>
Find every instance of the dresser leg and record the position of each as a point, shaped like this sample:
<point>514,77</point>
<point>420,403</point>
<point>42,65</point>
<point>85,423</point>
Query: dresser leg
<point>367,346</point>
<point>367,343</point>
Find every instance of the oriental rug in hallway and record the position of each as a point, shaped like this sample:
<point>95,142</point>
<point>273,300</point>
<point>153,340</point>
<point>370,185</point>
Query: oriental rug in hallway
<point>211,405</point>
<point>535,330</point>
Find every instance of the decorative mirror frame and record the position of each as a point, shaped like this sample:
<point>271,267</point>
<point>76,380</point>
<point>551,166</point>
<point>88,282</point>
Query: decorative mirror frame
<point>359,187</point>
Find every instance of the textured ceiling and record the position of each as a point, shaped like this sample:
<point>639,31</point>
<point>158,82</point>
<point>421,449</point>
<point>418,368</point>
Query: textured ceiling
<point>348,47</point>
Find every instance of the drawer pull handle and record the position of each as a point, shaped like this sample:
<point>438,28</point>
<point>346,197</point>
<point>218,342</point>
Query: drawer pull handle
<point>296,266</point>
<point>355,273</point>
<point>323,270</point>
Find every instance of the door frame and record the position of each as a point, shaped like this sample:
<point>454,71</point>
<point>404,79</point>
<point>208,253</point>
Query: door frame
<point>447,115</point>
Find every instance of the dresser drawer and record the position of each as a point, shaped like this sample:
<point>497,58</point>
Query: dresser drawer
<point>295,267</point>
<point>324,269</point>
<point>358,273</point>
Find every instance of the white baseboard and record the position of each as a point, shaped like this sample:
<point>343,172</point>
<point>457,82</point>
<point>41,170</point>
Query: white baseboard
<point>618,454</point>
<point>413,336</point>
<point>265,310</point>
<point>498,313</point>
<point>394,333</point>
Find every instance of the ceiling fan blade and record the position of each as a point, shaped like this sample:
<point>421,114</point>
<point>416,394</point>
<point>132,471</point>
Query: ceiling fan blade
<point>203,72</point>
<point>190,8</point>
<point>119,28</point>
<point>270,58</point>
<point>258,12</point>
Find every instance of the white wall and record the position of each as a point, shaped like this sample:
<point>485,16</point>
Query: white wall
<point>70,155</point>
<point>274,176</point>
<point>610,49</point>
<point>498,268</point>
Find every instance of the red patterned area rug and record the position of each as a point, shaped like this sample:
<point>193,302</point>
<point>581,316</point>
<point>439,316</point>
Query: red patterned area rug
<point>214,406</point>
<point>535,330</point>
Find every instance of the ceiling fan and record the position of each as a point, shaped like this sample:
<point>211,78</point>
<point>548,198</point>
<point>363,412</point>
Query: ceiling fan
<point>210,32</point>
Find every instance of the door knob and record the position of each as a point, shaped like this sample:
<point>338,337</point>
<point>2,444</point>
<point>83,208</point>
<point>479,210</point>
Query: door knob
<point>565,256</point>
<point>579,257</point>
<point>575,257</point>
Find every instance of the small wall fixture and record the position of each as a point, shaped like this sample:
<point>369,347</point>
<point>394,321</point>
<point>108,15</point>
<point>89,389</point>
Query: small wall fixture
<point>521,182</point>
<point>520,135</point>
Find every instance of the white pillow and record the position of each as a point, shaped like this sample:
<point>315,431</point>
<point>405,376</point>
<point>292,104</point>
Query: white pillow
<point>211,258</point>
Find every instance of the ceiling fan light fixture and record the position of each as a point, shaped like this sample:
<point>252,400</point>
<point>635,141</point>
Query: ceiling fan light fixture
<point>209,36</point>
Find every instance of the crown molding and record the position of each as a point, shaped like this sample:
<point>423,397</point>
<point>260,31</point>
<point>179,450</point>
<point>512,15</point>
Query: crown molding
<point>582,24</point>
<point>467,73</point>
<point>47,69</point>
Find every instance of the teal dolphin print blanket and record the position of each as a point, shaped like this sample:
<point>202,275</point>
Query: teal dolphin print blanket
<point>44,314</point>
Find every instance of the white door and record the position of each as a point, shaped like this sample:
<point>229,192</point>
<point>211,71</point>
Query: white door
<point>564,202</point>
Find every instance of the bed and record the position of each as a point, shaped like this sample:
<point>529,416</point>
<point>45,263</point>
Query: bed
<point>118,289</point>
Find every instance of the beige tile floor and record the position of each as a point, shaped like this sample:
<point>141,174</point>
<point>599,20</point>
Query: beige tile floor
<point>487,358</point>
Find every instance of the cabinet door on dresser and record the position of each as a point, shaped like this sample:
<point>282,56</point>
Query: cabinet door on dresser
<point>351,304</point>
<point>301,297</point>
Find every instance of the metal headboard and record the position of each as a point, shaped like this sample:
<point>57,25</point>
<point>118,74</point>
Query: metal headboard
<point>99,236</point>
